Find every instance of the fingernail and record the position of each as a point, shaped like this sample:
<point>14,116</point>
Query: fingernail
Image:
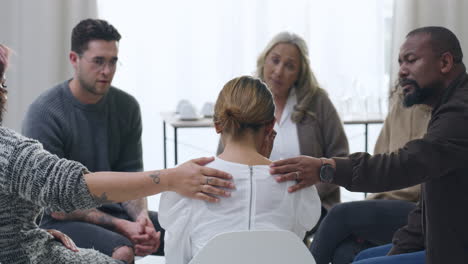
<point>227,194</point>
<point>278,178</point>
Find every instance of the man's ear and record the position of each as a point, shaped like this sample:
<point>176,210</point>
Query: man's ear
<point>218,128</point>
<point>446,62</point>
<point>73,57</point>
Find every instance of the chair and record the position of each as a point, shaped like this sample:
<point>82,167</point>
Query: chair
<point>150,259</point>
<point>254,247</point>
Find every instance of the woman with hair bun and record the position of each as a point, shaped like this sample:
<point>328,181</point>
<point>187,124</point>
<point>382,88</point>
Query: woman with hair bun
<point>244,115</point>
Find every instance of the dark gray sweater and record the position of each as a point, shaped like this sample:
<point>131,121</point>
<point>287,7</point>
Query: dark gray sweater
<point>104,137</point>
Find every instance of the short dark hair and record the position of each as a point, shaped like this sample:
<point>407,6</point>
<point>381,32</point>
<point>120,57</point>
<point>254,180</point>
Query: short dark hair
<point>92,29</point>
<point>443,40</point>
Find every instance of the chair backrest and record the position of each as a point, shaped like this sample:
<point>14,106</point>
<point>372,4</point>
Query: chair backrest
<point>254,247</point>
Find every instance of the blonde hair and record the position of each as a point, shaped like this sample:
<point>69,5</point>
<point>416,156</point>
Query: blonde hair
<point>306,84</point>
<point>244,102</point>
<point>4,53</point>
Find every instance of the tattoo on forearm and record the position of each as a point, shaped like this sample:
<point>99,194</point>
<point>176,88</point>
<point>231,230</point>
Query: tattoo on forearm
<point>156,177</point>
<point>105,220</point>
<point>102,199</point>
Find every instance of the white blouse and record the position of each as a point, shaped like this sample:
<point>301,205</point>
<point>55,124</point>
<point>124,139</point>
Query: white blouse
<point>286,143</point>
<point>257,203</point>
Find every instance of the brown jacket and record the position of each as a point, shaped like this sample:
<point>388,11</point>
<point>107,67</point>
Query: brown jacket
<point>321,134</point>
<point>401,125</point>
<point>440,161</point>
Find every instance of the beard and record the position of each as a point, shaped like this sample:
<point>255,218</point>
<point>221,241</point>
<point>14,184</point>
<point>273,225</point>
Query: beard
<point>418,95</point>
<point>91,89</point>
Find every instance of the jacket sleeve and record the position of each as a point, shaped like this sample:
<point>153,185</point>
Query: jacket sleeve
<point>335,145</point>
<point>441,152</point>
<point>335,140</point>
<point>409,238</point>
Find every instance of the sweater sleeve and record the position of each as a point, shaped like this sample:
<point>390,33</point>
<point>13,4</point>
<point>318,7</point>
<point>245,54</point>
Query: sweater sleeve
<point>336,142</point>
<point>131,154</point>
<point>43,179</point>
<point>42,123</point>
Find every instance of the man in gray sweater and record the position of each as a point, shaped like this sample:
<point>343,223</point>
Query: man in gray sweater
<point>88,120</point>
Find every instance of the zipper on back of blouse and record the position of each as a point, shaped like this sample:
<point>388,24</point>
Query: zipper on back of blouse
<point>250,197</point>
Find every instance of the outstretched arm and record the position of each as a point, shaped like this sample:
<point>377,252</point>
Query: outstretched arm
<point>189,179</point>
<point>42,178</point>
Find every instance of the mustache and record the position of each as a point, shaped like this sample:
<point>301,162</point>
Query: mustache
<point>403,82</point>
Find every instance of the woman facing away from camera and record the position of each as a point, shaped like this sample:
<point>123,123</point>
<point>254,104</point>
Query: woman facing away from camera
<point>32,178</point>
<point>244,116</point>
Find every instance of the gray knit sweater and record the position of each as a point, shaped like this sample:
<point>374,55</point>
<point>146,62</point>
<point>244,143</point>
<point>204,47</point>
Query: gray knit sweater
<point>32,178</point>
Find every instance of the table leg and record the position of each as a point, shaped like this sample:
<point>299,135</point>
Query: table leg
<point>175,146</point>
<point>366,136</point>
<point>164,144</point>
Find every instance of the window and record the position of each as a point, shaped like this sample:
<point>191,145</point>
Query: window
<point>173,50</point>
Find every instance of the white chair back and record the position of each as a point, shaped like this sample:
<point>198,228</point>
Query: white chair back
<point>254,247</point>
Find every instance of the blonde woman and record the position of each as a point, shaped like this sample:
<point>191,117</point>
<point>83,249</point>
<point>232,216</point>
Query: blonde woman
<point>244,116</point>
<point>307,122</point>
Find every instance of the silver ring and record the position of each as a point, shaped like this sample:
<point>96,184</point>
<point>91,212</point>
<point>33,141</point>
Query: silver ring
<point>297,175</point>
<point>208,179</point>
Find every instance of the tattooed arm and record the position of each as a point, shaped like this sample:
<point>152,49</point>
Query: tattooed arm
<point>92,216</point>
<point>188,179</point>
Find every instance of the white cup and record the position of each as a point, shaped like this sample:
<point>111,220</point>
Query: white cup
<point>180,104</point>
<point>188,112</point>
<point>208,109</point>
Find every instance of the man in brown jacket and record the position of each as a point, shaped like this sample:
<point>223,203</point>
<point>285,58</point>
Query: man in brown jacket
<point>431,73</point>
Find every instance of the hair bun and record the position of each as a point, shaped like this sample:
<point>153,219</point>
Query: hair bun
<point>232,112</point>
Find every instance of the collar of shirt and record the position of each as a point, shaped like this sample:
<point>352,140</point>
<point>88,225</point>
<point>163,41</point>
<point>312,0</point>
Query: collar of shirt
<point>288,108</point>
<point>286,142</point>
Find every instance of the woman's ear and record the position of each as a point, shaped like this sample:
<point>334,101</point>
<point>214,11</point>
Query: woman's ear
<point>269,126</point>
<point>218,128</point>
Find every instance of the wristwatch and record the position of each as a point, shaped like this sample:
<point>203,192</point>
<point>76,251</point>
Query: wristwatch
<point>327,172</point>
